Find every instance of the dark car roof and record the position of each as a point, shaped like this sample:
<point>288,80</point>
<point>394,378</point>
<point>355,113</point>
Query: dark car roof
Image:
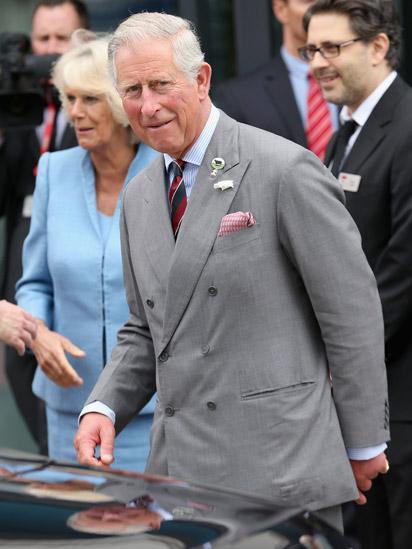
<point>54,504</point>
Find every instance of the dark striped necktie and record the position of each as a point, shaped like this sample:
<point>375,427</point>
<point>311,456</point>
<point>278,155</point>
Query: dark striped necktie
<point>177,195</point>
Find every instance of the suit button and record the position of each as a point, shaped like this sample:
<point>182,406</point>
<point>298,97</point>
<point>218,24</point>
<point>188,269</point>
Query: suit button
<point>205,349</point>
<point>164,356</point>
<point>150,303</point>
<point>212,291</point>
<point>211,405</point>
<point>169,411</point>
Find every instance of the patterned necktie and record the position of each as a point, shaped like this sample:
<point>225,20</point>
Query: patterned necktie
<point>319,124</point>
<point>342,139</point>
<point>177,195</point>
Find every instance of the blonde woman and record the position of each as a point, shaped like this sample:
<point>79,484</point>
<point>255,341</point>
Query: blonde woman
<point>72,274</point>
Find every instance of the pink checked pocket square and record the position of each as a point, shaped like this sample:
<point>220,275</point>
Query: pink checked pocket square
<point>235,222</point>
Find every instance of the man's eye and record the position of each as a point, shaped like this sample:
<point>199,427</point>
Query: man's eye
<point>161,84</point>
<point>329,48</point>
<point>132,91</point>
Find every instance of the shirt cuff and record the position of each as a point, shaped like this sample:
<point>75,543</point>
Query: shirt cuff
<point>366,453</point>
<point>99,408</point>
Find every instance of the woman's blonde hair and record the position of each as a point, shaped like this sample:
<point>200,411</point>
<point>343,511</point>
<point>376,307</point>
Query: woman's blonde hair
<point>84,68</point>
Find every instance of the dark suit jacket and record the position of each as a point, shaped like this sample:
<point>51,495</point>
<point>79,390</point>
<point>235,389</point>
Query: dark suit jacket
<point>18,157</point>
<point>264,99</point>
<point>382,209</point>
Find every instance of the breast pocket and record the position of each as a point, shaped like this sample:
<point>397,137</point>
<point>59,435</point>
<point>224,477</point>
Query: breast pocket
<point>237,238</point>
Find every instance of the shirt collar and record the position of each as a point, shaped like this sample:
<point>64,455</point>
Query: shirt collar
<point>295,66</point>
<point>362,113</point>
<point>196,153</point>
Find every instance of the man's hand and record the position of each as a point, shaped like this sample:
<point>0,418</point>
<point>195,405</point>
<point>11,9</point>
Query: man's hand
<point>17,326</point>
<point>365,471</point>
<point>95,429</point>
<point>49,348</point>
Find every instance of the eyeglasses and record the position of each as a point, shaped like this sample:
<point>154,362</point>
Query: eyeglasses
<point>327,51</point>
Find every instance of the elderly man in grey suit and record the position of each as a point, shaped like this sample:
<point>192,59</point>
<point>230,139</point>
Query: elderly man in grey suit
<point>255,314</point>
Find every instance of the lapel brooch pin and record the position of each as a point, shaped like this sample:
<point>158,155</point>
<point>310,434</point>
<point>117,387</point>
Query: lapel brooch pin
<point>223,185</point>
<point>217,164</point>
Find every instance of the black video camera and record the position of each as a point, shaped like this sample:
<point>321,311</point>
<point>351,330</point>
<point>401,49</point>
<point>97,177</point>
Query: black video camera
<point>24,79</point>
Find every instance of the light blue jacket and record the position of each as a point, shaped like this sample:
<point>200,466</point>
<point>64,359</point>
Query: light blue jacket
<point>72,279</point>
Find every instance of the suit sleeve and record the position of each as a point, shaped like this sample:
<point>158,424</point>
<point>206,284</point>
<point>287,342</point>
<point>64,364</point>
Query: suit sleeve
<point>393,268</point>
<point>35,288</point>
<point>322,241</point>
<point>128,381</point>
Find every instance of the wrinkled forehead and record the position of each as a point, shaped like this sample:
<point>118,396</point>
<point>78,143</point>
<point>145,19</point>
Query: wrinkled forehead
<point>145,61</point>
<point>152,51</point>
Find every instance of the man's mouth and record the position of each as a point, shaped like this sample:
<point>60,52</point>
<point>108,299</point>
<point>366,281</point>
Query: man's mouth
<point>326,78</point>
<point>157,125</point>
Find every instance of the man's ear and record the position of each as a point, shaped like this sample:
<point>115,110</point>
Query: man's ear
<point>203,80</point>
<point>379,48</point>
<point>279,9</point>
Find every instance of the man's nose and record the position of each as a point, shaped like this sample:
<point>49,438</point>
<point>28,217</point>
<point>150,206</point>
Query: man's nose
<point>149,103</point>
<point>53,47</point>
<point>318,61</point>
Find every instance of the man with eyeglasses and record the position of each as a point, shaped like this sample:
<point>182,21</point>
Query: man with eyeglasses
<point>353,49</point>
<point>280,96</point>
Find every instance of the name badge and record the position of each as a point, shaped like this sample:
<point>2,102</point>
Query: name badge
<point>349,181</point>
<point>27,206</point>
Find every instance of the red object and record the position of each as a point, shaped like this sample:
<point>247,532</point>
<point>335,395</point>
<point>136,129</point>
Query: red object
<point>47,131</point>
<point>177,196</point>
<point>235,222</point>
<point>319,127</point>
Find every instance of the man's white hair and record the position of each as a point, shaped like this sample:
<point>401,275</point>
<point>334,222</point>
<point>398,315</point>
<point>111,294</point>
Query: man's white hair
<point>187,54</point>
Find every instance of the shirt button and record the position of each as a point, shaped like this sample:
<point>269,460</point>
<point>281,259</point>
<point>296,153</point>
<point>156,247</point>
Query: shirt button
<point>211,405</point>
<point>164,356</point>
<point>169,411</point>
<point>212,291</point>
<point>205,349</point>
<point>150,303</point>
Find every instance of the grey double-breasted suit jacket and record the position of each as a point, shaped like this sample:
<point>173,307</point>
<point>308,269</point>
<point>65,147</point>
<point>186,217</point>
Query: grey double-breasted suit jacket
<point>240,333</point>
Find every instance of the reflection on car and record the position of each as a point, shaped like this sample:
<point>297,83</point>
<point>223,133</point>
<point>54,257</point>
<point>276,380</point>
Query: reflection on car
<point>47,500</point>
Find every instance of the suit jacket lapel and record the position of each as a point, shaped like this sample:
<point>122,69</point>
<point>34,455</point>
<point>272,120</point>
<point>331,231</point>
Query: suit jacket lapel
<point>159,239</point>
<point>89,190</point>
<point>201,222</point>
<point>330,150</point>
<point>279,89</point>
<point>374,130</point>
